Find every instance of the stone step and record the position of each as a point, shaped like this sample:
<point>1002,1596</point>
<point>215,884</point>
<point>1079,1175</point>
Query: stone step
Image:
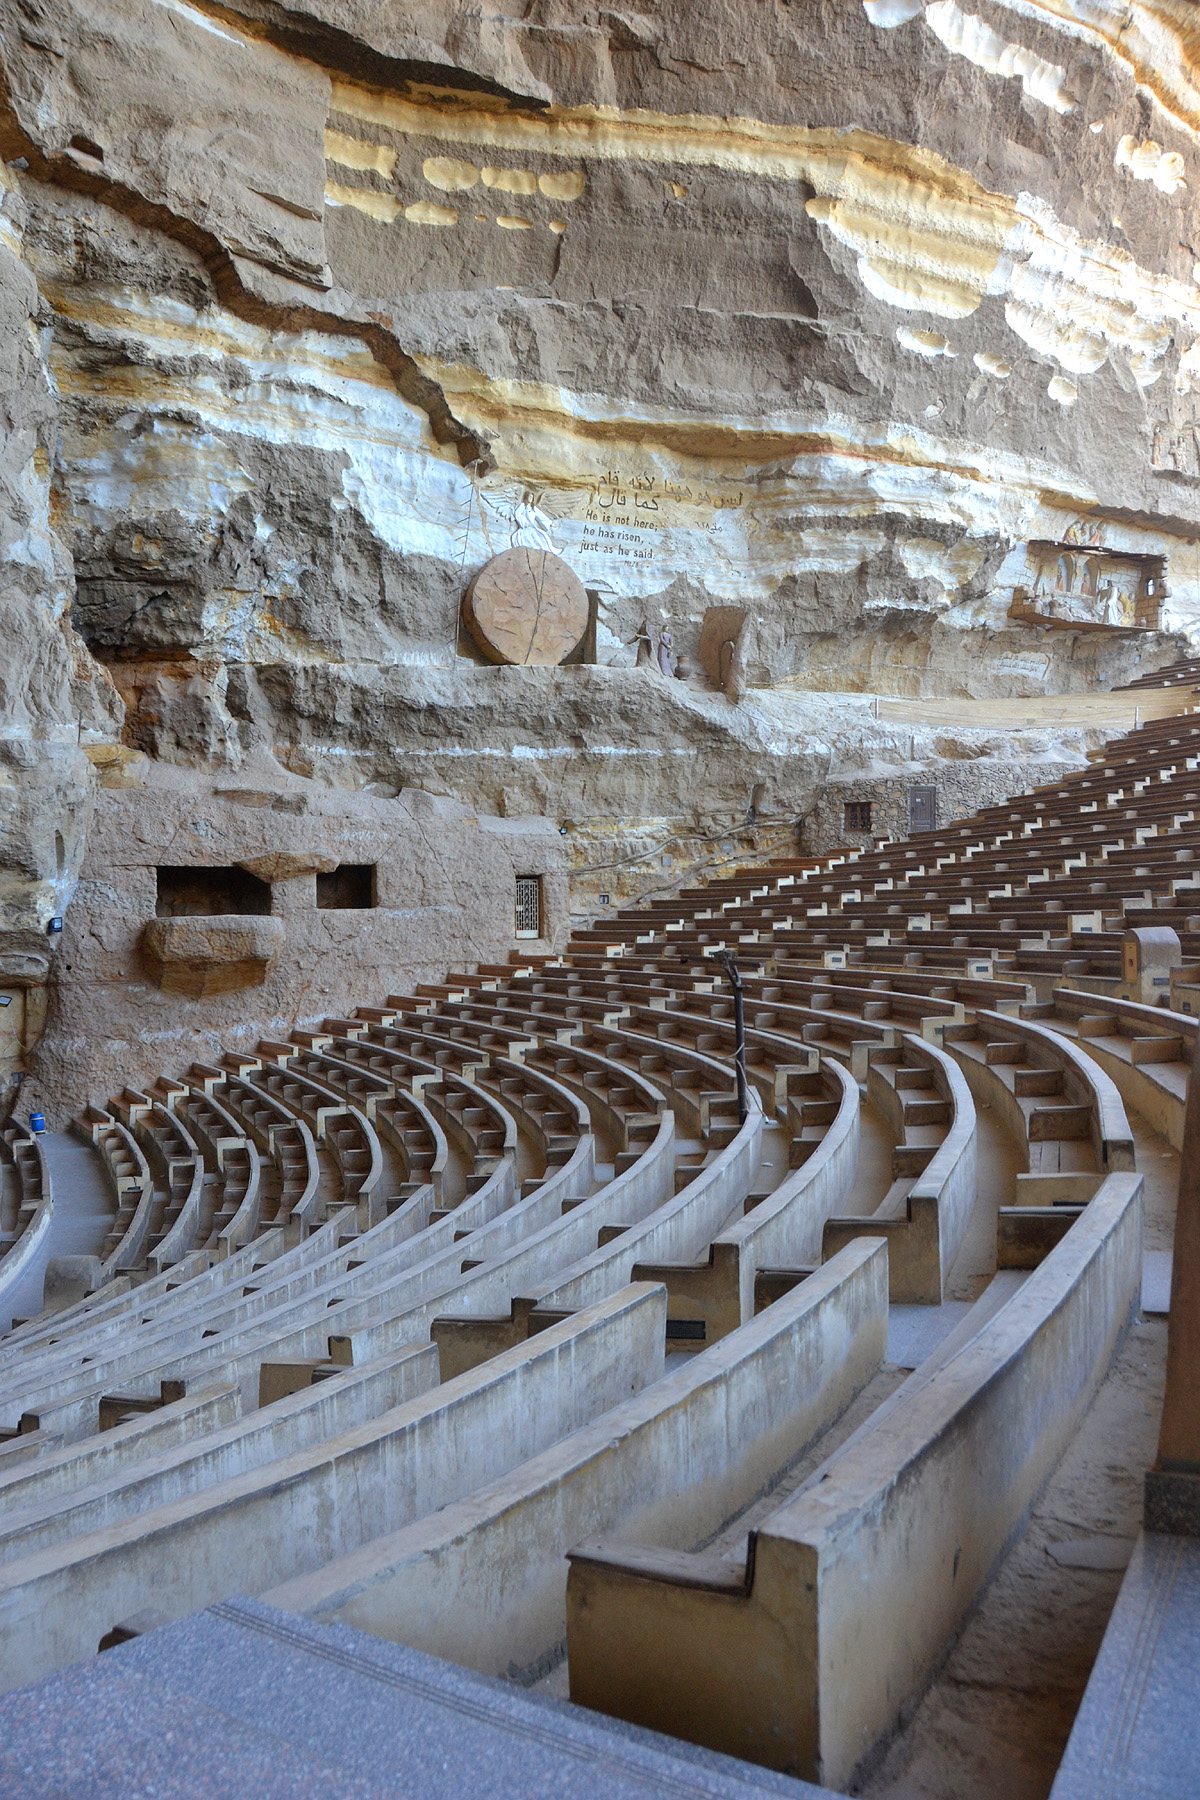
<point>246,1699</point>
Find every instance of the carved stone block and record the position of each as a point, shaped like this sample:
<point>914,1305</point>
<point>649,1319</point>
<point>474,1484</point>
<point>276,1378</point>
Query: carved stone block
<point>526,606</point>
<point>199,957</point>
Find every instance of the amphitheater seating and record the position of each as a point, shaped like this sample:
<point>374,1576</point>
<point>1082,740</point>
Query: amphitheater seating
<point>381,1318</point>
<point>258,1528</point>
<point>926,1210</point>
<point>481,1580</point>
<point>27,1200</point>
<point>755,1657</point>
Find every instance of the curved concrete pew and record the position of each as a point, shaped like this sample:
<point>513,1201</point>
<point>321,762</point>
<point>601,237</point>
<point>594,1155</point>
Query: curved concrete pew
<point>378,1070</point>
<point>409,1126</point>
<point>780,1023</point>
<point>230,1213</point>
<point>483,1581</point>
<point>379,1099</point>
<point>775,1658</point>
<point>341,1127</point>
<point>486,1113</point>
<point>197,1282</point>
<point>443,1073</point>
<point>556,1120</point>
<point>106,1311</point>
<point>694,1084</point>
<point>35,1517</point>
<point>143,1362</point>
<point>303,1277</point>
<point>778,1238</point>
<point>280,1135</point>
<point>295,1514</point>
<point>129,1177</point>
<point>52,1468</point>
<point>616,1105</point>
<point>996,992</point>
<point>177,1169</point>
<point>924,1096</point>
<point>32,1202</point>
<point>701,1090</point>
<point>403,1024</point>
<point>1145,1050</point>
<point>950,986</point>
<point>529,1239</point>
<point>500,1274</point>
<point>391,1297</point>
<point>676,1230</point>
<point>116,1328</point>
<point>196,1278</point>
<point>917,1012</point>
<point>773,1060</point>
<point>1065,1115</point>
<point>626,1106</point>
<point>199,1332</point>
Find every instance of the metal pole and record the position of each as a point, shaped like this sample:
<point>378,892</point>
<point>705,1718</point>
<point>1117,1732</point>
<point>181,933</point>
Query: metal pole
<point>728,962</point>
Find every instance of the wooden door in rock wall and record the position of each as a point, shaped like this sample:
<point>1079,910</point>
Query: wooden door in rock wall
<point>21,1022</point>
<point>922,808</point>
<point>12,1040</point>
<point>11,1030</point>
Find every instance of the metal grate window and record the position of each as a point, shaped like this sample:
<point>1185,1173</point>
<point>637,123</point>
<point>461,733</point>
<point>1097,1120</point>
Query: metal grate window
<point>529,906</point>
<point>858,815</point>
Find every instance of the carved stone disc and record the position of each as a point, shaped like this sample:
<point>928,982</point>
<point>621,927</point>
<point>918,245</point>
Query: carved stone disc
<point>526,606</point>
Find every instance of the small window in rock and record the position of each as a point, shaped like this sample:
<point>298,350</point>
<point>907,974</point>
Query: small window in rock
<point>529,906</point>
<point>348,888</point>
<point>201,893</point>
<point>858,815</point>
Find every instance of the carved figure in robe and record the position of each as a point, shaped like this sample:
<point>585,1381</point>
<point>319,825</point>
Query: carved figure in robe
<point>645,646</point>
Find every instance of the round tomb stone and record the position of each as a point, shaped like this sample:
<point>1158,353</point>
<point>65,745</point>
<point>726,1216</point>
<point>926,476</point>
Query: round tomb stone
<point>526,606</point>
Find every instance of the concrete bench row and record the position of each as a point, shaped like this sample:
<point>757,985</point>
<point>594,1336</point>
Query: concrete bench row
<point>483,1581</point>
<point>924,1215</point>
<point>1064,1113</point>
<point>251,1531</point>
<point>230,1336</point>
<point>28,1202</point>
<point>803,1653</point>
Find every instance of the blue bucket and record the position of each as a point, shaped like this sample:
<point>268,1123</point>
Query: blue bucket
<point>37,1122</point>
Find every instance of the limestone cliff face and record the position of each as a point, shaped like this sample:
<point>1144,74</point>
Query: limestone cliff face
<point>50,688</point>
<point>877,318</point>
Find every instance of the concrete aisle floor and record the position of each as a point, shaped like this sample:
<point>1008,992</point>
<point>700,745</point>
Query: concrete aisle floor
<point>83,1213</point>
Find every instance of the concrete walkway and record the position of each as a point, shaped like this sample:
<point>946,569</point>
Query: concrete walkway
<point>83,1213</point>
<point>1137,1734</point>
<point>244,1699</point>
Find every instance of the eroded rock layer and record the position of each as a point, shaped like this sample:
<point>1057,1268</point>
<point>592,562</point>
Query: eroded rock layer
<point>877,320</point>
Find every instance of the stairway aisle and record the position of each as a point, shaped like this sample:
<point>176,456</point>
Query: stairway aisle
<point>83,1214</point>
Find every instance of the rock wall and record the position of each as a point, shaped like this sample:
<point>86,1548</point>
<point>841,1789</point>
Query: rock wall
<point>875,319</point>
<point>51,690</point>
<point>439,893</point>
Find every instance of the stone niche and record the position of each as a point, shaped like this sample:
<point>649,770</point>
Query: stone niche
<point>1084,587</point>
<point>721,652</point>
<point>216,955</point>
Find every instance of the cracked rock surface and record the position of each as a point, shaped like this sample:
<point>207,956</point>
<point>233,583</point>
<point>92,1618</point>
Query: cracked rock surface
<point>877,320</point>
